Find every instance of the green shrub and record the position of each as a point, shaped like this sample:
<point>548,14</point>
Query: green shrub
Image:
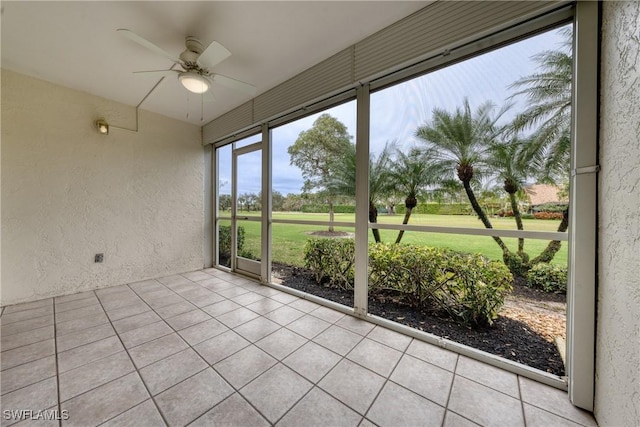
<point>517,263</point>
<point>551,207</point>
<point>224,240</point>
<point>467,287</point>
<point>527,216</point>
<point>548,277</point>
<point>331,260</point>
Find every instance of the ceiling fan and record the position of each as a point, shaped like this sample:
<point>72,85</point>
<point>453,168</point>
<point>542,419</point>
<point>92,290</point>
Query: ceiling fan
<point>196,62</point>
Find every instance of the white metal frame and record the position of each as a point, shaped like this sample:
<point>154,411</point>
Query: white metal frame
<point>581,237</point>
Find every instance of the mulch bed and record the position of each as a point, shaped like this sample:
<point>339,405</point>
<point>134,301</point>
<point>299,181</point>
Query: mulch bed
<point>525,331</point>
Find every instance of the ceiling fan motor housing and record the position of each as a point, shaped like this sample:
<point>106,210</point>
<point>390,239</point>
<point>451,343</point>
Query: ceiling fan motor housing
<point>193,51</point>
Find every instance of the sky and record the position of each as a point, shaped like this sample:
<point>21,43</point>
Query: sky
<point>397,111</point>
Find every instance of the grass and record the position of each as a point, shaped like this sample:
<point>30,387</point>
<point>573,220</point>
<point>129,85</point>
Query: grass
<point>288,239</point>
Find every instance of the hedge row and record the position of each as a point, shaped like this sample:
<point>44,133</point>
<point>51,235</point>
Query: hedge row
<point>467,287</point>
<point>438,209</point>
<point>325,208</point>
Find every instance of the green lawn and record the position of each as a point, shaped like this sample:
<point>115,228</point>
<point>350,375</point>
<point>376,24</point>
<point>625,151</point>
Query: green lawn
<point>288,239</point>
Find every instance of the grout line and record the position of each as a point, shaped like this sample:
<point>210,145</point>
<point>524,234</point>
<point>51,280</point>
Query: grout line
<point>524,418</point>
<point>453,378</point>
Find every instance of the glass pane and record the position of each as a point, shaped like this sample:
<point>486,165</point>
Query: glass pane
<point>248,140</point>
<point>320,277</point>
<point>482,143</point>
<point>224,180</point>
<point>249,204</point>
<point>310,155</point>
<point>224,243</point>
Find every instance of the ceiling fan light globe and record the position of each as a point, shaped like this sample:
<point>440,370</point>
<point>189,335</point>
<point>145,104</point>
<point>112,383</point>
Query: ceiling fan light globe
<point>194,82</point>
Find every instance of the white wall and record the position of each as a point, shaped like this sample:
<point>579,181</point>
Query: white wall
<point>69,193</point>
<point>617,401</point>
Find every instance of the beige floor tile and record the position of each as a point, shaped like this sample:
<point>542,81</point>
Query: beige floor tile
<point>27,353</point>
<point>196,276</point>
<point>35,397</point>
<point>76,325</point>
<point>496,378</point>
<point>451,419</point>
<point>25,325</point>
<point>257,329</point>
<point>187,319</point>
<point>264,306</point>
<point>144,415</point>
<point>138,336</point>
<point>353,385</point>
<point>427,380</point>
<point>247,298</point>
<point>73,297</point>
<point>319,409</point>
<point>220,308</point>
<point>304,305</point>
<point>308,326</point>
<point>166,373</point>
<point>233,292</point>
<point>435,355</point>
<point>312,361</point>
<point>221,346</point>
<point>77,313</point>
<point>375,356</point>
<point>85,336</point>
<point>275,392</point>
<point>164,301</point>
<point>355,325</point>
<point>33,336</point>
<point>202,331</point>
<point>78,356</point>
<point>281,343</point>
<point>282,297</point>
<point>390,338</point>
<point>327,314</point>
<point>191,398</point>
<point>203,301</point>
<point>553,400</point>
<point>175,279</point>
<point>95,374</point>
<point>27,306</point>
<point>127,311</point>
<point>237,317</point>
<point>89,300</point>
<point>471,400</point>
<point>284,315</point>
<point>172,310</point>
<point>396,406</point>
<point>338,340</point>
<point>245,365</point>
<point>537,417</point>
<point>17,316</point>
<point>232,412</point>
<point>105,402</point>
<point>161,292</point>
<point>134,322</point>
<point>27,374</point>
<point>157,349</point>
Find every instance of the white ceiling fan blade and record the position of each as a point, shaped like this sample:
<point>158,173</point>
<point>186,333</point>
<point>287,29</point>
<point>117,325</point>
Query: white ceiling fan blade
<point>214,54</point>
<point>147,44</point>
<point>234,84</point>
<point>158,72</point>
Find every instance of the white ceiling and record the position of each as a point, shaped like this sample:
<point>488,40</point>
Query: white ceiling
<point>75,44</point>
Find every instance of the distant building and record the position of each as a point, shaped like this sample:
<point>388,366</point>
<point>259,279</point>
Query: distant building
<point>540,194</point>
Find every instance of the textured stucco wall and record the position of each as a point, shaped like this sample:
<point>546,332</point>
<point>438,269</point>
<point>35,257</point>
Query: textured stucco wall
<point>69,193</point>
<point>617,400</point>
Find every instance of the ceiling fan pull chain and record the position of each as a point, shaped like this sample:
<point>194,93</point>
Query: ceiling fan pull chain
<point>202,108</point>
<point>188,109</point>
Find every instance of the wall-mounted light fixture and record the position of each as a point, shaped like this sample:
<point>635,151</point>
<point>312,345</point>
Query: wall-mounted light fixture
<point>102,126</point>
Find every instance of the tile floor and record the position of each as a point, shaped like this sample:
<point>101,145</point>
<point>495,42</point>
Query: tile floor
<point>209,348</point>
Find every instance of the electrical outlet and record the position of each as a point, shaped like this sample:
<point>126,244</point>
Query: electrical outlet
<point>99,258</point>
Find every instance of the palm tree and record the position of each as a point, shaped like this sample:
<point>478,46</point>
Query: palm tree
<point>343,181</point>
<point>460,141</point>
<point>411,173</point>
<point>548,93</point>
<point>512,164</point>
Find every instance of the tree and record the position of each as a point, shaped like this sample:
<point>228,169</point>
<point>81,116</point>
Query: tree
<point>410,174</point>
<point>343,182</point>
<point>512,165</point>
<point>548,93</point>
<point>319,153</point>
<point>460,141</point>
